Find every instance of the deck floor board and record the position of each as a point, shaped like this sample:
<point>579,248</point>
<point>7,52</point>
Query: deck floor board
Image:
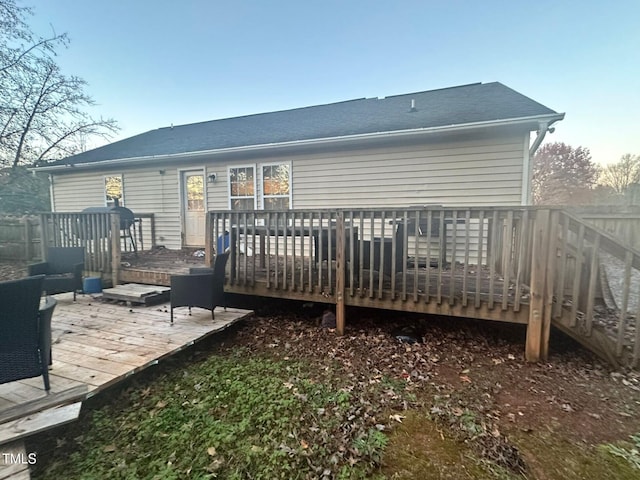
<point>99,344</point>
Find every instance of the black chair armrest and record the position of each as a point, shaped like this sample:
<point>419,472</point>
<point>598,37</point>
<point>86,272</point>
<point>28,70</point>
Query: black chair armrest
<point>44,329</point>
<point>78,269</point>
<point>41,268</point>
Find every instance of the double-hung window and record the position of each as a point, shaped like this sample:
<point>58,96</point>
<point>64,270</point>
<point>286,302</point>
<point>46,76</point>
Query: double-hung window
<point>276,186</point>
<point>242,188</point>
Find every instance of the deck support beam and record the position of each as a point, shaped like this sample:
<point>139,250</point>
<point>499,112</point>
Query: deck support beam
<point>537,343</point>
<point>340,273</point>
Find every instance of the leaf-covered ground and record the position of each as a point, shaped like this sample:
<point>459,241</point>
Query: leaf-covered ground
<point>281,397</point>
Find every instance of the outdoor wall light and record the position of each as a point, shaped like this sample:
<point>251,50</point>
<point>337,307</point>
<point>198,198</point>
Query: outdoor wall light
<point>212,177</point>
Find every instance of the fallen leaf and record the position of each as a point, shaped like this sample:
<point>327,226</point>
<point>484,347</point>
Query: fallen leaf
<point>211,451</point>
<point>304,444</point>
<point>161,404</point>
<point>109,448</point>
<point>397,417</point>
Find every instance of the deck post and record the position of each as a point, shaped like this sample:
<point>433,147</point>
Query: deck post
<point>340,271</point>
<point>115,248</point>
<point>208,244</point>
<point>44,237</point>
<point>537,333</point>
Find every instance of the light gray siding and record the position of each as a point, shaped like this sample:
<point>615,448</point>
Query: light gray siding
<point>470,170</point>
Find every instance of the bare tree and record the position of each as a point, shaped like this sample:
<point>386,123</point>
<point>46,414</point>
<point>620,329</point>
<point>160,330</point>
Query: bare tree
<point>563,175</point>
<point>622,174</point>
<point>43,113</point>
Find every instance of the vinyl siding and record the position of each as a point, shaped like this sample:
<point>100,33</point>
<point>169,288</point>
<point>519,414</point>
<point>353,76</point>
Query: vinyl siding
<point>462,172</point>
<point>478,170</point>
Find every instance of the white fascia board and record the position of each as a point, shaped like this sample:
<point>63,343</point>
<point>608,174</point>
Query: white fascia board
<point>533,121</point>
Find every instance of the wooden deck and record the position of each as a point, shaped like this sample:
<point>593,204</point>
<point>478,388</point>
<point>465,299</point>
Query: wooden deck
<point>534,265</point>
<point>98,344</point>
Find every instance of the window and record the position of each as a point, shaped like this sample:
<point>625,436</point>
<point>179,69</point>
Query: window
<point>113,190</point>
<point>195,192</point>
<point>242,188</point>
<point>276,186</point>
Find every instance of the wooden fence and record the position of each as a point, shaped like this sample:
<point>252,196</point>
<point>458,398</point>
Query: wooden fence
<point>20,238</point>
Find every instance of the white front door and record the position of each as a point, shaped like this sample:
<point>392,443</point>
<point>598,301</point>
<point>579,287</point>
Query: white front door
<point>193,208</point>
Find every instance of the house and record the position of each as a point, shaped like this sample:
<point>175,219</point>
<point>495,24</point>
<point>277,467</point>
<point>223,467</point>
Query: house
<point>468,145</point>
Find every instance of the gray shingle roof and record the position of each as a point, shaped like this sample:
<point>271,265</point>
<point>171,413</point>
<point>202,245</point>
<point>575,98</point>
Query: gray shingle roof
<point>450,106</point>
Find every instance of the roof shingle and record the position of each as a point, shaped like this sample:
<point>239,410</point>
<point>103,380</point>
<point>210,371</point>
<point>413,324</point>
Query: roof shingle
<point>449,106</point>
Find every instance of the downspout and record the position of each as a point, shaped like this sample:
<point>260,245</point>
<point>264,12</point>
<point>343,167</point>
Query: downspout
<point>543,128</point>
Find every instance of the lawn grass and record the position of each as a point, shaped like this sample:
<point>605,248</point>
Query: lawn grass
<point>231,416</point>
<point>289,401</point>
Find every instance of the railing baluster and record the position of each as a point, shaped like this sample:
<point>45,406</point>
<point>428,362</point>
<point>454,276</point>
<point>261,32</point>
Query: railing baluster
<point>403,253</point>
<point>277,253</point>
<point>454,239</point>
<point>245,229</point>
<point>442,257</point>
<point>427,278</point>
<point>394,250</point>
<point>330,247</point>
<point>636,345</point>
<point>267,254</point>
<point>465,272</point>
<point>302,258</point>
<point>285,247</point>
<point>491,257</point>
<point>479,263</point>
<point>372,222</point>
<point>416,253</point>
<point>560,287</point>
<point>593,282</point>
<point>522,255</point>
<point>349,232</point>
<point>361,254</point>
<point>254,250</point>
<point>577,276</point>
<point>381,266</point>
<point>320,250</point>
<point>507,253</point>
<point>626,286</point>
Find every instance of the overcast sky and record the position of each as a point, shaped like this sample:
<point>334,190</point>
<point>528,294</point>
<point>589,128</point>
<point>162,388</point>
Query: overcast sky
<point>151,64</point>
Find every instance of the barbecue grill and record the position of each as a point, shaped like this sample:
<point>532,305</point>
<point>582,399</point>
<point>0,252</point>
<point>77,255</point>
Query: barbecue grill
<point>127,221</point>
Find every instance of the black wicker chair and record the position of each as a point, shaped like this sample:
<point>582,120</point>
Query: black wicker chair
<point>202,287</point>
<point>63,270</point>
<point>23,347</point>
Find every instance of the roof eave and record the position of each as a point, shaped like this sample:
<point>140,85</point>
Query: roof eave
<point>532,121</point>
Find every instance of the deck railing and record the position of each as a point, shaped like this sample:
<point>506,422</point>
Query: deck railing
<point>519,264</point>
<point>596,287</point>
<point>94,232</point>
<point>445,258</point>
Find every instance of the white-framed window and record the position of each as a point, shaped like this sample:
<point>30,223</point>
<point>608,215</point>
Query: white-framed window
<point>113,190</point>
<point>276,186</point>
<point>242,187</point>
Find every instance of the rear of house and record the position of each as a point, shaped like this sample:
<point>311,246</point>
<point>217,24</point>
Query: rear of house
<point>460,146</point>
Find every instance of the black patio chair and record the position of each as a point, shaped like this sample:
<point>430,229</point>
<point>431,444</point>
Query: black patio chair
<point>22,348</point>
<point>62,270</point>
<point>202,287</point>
